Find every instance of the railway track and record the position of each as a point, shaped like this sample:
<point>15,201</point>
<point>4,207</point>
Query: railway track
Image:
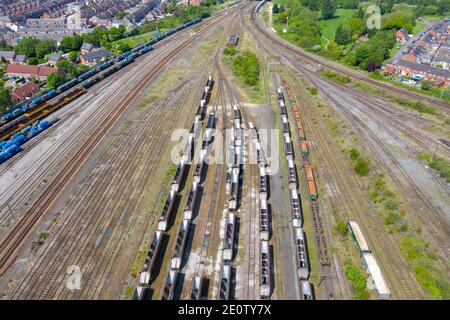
<point>10,244</point>
<point>36,173</point>
<point>418,200</point>
<point>284,45</point>
<point>80,228</point>
<point>350,207</point>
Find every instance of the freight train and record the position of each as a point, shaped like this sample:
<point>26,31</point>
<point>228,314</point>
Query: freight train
<point>94,74</point>
<point>265,257</point>
<point>178,250</point>
<point>301,256</point>
<point>13,121</point>
<point>12,147</point>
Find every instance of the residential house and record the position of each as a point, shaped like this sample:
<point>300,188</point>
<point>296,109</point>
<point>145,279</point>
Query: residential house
<point>29,72</point>
<point>94,56</point>
<point>87,48</point>
<point>402,35</point>
<point>20,59</point>
<point>24,92</point>
<point>406,68</point>
<point>8,56</point>
<point>53,59</point>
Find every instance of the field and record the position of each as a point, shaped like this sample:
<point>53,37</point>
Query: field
<point>137,40</point>
<point>419,27</point>
<point>328,27</point>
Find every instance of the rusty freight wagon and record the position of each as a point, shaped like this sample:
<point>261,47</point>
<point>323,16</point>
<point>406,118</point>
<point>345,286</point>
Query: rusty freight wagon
<point>312,191</point>
<point>304,148</point>
<point>301,133</point>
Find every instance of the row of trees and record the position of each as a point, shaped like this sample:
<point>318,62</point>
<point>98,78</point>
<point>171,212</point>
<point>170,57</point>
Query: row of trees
<point>326,7</point>
<point>303,25</point>
<point>35,49</point>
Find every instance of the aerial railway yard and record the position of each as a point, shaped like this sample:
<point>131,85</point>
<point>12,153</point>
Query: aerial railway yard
<point>231,212</point>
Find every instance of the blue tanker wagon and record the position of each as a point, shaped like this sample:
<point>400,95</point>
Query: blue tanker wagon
<point>87,79</point>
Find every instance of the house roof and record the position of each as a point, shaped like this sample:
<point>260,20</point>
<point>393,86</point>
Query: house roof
<point>87,46</point>
<point>26,69</point>
<point>98,54</point>
<point>425,68</point>
<point>25,90</point>
<point>54,57</point>
<point>7,54</point>
<point>19,68</point>
<point>45,71</point>
<point>404,31</point>
<point>20,58</point>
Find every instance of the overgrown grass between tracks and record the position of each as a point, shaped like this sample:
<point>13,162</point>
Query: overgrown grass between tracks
<point>422,259</point>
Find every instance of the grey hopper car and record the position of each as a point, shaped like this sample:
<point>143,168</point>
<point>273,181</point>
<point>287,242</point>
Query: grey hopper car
<point>169,285</point>
<point>228,245</point>
<point>225,281</point>
<point>265,283</point>
<point>232,201</point>
<point>280,94</point>
<point>139,293</point>
<point>167,211</point>
<point>198,172</point>
<point>286,128</point>
<point>179,245</point>
<point>237,114</point>
<point>150,260</point>
<point>197,286</point>
<point>288,149</point>
<point>264,228</point>
<point>191,201</point>
<point>306,290</point>
<point>300,254</point>
<point>292,174</point>
<point>179,176</point>
<point>262,183</point>
<point>296,209</point>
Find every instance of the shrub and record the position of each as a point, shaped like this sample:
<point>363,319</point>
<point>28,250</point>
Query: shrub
<point>354,154</point>
<point>341,228</point>
<point>312,90</point>
<point>246,66</point>
<point>362,167</point>
<point>229,51</point>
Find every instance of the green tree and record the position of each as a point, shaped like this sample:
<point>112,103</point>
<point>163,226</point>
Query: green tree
<point>67,66</point>
<point>73,56</point>
<point>33,61</point>
<point>123,47</point>
<point>312,5</point>
<point>349,4</point>
<point>275,9</point>
<point>54,80</point>
<point>27,46</point>
<point>71,43</point>
<point>362,53</point>
<point>45,47</point>
<point>444,7</point>
<point>343,34</point>
<point>328,8</point>
<point>5,98</point>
